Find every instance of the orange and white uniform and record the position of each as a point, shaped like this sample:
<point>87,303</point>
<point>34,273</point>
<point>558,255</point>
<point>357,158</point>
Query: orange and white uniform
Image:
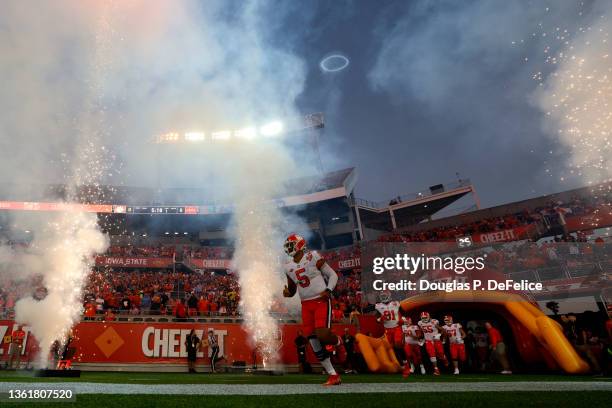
<point>457,344</point>
<point>432,336</point>
<point>310,282</point>
<point>412,345</point>
<point>390,317</point>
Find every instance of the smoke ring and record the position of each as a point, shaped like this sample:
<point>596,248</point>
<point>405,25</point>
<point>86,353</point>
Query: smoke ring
<point>334,63</point>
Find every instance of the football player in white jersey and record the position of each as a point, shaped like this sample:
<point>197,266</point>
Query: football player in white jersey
<point>433,344</point>
<point>314,280</point>
<point>455,336</point>
<point>413,340</point>
<point>389,312</point>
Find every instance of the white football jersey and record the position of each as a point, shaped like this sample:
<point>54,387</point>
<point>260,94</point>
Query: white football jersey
<point>306,276</point>
<point>430,330</point>
<point>453,331</point>
<point>410,333</point>
<point>389,313</point>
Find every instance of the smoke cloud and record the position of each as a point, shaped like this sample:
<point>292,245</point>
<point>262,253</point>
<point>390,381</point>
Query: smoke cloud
<point>88,85</point>
<point>476,67</point>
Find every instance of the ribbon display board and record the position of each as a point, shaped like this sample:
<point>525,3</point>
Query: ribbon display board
<point>133,262</point>
<point>142,343</point>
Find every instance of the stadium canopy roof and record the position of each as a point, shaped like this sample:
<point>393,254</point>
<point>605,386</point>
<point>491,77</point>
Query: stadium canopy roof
<point>411,209</point>
<point>299,191</point>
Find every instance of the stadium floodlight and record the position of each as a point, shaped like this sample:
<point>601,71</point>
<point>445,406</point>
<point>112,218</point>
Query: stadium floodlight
<point>271,129</point>
<point>170,137</point>
<point>221,135</point>
<point>248,133</point>
<point>194,136</point>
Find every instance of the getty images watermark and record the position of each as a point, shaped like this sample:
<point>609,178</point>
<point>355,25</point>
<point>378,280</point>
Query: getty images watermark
<point>400,264</point>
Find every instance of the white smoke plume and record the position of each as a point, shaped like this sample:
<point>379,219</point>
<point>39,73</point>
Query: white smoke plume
<point>259,238</point>
<point>88,85</point>
<point>577,96</point>
<point>438,55</point>
<point>62,254</point>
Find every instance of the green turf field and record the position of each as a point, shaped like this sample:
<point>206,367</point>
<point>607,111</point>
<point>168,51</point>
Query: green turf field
<point>184,378</point>
<point>384,399</point>
<point>473,400</point>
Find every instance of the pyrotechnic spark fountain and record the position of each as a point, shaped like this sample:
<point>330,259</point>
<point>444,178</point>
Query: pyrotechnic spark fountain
<point>577,96</point>
<point>111,72</point>
<point>68,241</point>
<point>259,239</point>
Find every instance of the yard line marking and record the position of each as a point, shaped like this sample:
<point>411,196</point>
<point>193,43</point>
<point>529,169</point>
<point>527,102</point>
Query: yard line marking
<point>291,389</point>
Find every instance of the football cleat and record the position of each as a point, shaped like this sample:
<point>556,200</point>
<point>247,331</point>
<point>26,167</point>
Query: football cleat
<point>406,371</point>
<point>333,379</point>
<point>425,317</point>
<point>423,372</point>
<point>456,372</point>
<point>436,371</point>
<point>293,244</point>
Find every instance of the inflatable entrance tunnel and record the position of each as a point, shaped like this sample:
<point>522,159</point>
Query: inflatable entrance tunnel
<point>537,337</point>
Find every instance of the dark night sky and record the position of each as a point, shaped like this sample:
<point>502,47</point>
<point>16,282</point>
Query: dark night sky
<point>435,88</point>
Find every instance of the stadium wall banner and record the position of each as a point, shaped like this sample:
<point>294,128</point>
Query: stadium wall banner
<point>346,264</point>
<point>511,234</point>
<point>210,263</point>
<point>133,262</point>
<point>154,343</point>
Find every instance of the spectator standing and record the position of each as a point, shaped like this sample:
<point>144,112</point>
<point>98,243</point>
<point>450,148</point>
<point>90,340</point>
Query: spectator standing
<point>498,348</point>
<point>192,303</point>
<point>180,311</point>
<point>337,314</point>
<point>354,317</point>
<point>202,306</point>
<point>16,347</point>
<point>146,301</point>
<point>109,316</point>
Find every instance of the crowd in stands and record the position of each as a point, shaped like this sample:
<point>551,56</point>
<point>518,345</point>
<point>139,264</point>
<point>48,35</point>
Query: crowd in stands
<point>551,212</point>
<point>204,293</point>
<point>148,251</point>
<point>169,251</point>
<point>208,252</point>
<point>181,294</point>
<point>161,292</point>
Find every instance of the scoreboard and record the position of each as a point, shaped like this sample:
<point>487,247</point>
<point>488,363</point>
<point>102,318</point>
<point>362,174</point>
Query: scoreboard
<point>161,209</point>
<point>97,208</point>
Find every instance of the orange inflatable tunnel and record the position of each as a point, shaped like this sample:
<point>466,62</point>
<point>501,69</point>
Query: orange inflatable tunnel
<point>378,354</point>
<point>525,320</point>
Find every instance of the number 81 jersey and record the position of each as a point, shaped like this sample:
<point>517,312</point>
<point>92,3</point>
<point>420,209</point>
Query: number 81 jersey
<point>306,276</point>
<point>389,313</point>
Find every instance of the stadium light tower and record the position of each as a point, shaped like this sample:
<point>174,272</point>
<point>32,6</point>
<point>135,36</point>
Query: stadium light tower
<point>310,123</point>
<point>275,128</point>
